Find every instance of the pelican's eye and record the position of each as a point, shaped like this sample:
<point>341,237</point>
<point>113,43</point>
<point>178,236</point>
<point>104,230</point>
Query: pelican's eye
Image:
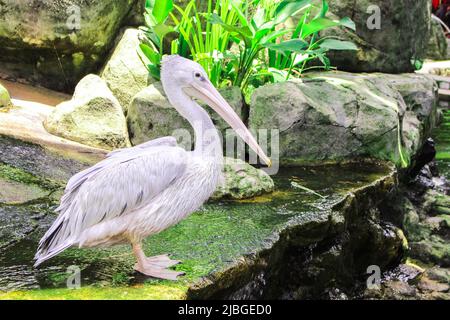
<point>199,76</point>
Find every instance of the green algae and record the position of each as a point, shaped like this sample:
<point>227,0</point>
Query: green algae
<point>18,175</point>
<point>173,291</point>
<point>12,192</point>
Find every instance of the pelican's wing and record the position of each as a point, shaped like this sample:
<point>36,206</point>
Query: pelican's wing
<point>121,155</point>
<point>116,186</point>
<point>164,141</point>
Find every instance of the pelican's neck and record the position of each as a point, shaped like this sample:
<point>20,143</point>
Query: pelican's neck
<point>207,139</point>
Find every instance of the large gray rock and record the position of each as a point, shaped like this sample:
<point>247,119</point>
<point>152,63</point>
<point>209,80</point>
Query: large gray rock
<point>38,41</point>
<point>5,99</point>
<point>150,115</point>
<point>337,115</point>
<point>420,93</point>
<point>93,117</point>
<point>437,44</point>
<point>402,37</point>
<point>242,181</point>
<point>124,71</point>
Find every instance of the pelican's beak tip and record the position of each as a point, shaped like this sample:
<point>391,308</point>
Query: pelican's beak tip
<point>269,163</point>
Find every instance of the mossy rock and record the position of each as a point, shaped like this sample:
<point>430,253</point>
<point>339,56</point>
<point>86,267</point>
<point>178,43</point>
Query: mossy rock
<point>124,71</point>
<point>333,116</point>
<point>5,100</point>
<point>93,117</point>
<point>242,181</point>
<point>54,51</point>
<point>150,116</point>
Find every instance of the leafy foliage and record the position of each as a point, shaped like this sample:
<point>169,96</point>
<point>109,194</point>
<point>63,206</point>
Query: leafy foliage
<point>244,43</point>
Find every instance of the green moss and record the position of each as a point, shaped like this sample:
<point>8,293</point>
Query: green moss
<point>446,219</point>
<point>57,278</point>
<point>78,60</point>
<point>18,175</point>
<point>170,291</point>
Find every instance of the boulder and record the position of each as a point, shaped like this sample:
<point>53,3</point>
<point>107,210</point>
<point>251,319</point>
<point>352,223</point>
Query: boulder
<point>420,93</point>
<point>5,99</point>
<point>242,181</point>
<point>56,43</point>
<point>150,115</point>
<point>124,72</point>
<point>429,229</point>
<point>437,43</point>
<point>402,35</point>
<point>93,117</point>
<point>337,115</point>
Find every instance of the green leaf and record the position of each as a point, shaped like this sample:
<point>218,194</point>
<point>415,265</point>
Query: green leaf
<point>150,19</point>
<point>320,24</point>
<point>317,25</point>
<point>243,32</point>
<point>161,30</point>
<point>348,23</point>
<point>324,10</point>
<point>150,54</point>
<point>287,9</point>
<point>242,18</point>
<point>325,61</point>
<point>161,9</point>
<point>149,4</point>
<point>273,35</point>
<point>154,71</point>
<point>278,75</point>
<point>294,45</point>
<point>335,44</point>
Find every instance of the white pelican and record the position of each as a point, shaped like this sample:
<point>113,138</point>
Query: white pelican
<point>139,191</point>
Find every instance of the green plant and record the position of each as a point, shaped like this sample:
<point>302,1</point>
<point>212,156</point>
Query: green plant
<point>289,49</point>
<point>196,37</point>
<point>203,40</point>
<point>152,50</point>
<point>244,43</point>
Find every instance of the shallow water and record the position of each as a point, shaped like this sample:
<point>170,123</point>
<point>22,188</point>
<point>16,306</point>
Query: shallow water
<point>209,240</point>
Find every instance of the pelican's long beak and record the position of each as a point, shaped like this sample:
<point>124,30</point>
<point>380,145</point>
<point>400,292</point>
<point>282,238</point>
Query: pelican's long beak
<point>208,94</point>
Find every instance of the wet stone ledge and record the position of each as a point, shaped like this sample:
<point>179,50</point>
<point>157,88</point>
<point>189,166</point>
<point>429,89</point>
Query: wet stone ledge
<point>288,244</point>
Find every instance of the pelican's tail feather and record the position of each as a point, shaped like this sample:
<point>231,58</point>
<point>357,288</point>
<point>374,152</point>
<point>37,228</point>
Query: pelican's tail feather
<point>53,242</point>
<point>43,257</point>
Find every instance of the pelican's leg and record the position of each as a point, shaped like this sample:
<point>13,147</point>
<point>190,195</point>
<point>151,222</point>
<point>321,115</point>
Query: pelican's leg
<point>162,261</point>
<point>155,266</point>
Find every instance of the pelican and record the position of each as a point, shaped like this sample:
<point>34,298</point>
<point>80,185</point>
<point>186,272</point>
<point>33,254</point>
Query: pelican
<point>140,191</point>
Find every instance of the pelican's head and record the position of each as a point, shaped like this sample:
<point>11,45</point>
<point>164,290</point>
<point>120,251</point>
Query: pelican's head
<point>181,73</point>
